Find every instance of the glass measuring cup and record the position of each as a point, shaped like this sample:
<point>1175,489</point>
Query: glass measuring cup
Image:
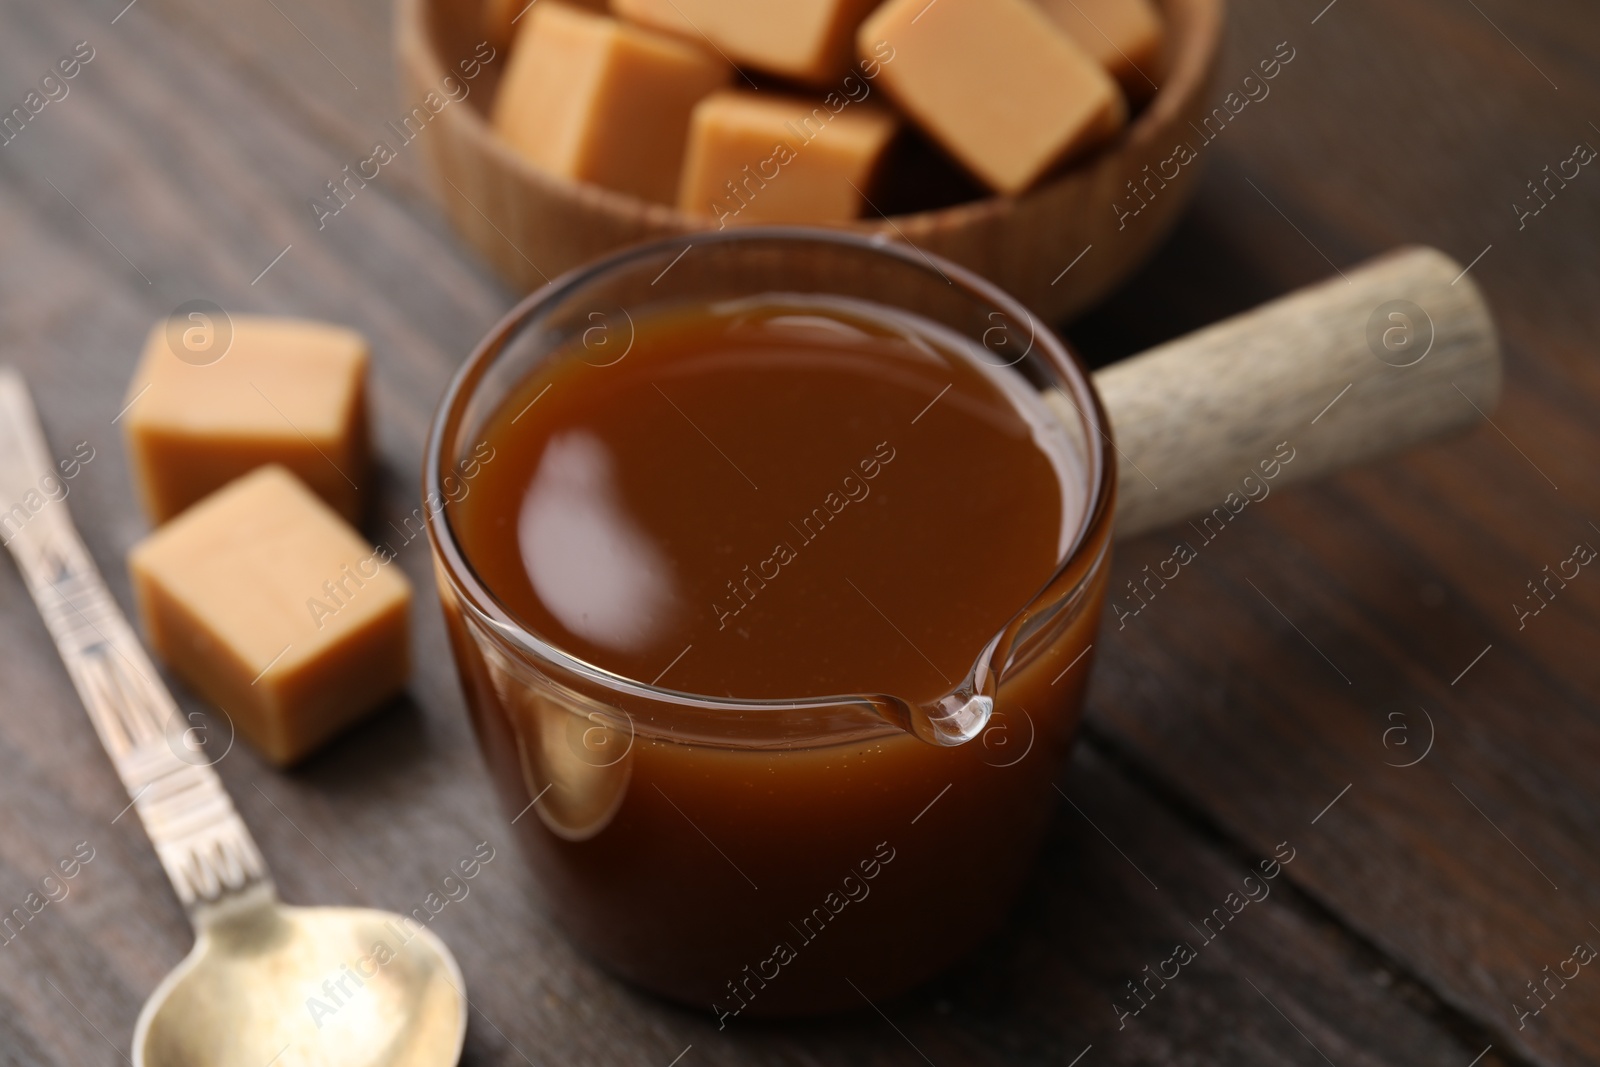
<point>774,857</point>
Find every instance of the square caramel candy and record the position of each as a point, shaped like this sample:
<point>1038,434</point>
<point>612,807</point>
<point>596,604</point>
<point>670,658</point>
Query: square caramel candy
<point>270,606</point>
<point>213,398</point>
<point>592,99</point>
<point>810,41</point>
<point>1124,37</point>
<point>502,18</point>
<point>996,83</point>
<point>766,157</point>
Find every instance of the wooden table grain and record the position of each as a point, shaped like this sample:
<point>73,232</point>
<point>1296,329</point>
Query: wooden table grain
<point>1270,698</point>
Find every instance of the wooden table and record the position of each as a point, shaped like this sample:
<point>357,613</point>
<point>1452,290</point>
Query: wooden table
<point>1267,697</point>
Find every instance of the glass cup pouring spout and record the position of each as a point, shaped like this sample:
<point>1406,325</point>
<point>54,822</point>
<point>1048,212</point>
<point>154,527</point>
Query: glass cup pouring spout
<point>968,710</point>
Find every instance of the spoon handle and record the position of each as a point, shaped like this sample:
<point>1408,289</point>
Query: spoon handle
<point>203,844</point>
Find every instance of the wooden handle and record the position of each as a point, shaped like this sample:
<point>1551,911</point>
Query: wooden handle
<point>1397,351</point>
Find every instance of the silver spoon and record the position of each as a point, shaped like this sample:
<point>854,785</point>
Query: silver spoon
<point>265,983</point>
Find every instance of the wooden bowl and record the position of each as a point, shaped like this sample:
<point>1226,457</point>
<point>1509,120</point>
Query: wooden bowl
<point>533,226</point>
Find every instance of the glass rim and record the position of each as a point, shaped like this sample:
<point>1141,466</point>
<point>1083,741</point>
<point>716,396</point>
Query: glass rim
<point>468,586</point>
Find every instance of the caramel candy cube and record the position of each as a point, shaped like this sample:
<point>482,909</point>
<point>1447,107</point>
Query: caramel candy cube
<point>592,99</point>
<point>502,18</point>
<point>764,157</point>
<point>807,40</point>
<point>213,399</point>
<point>996,83</point>
<point>271,607</point>
<point>1124,37</point>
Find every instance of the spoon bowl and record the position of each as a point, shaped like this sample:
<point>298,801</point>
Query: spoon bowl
<point>303,987</point>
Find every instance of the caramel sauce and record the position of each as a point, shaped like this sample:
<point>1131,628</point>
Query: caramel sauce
<point>764,501</point>
<point>774,499</point>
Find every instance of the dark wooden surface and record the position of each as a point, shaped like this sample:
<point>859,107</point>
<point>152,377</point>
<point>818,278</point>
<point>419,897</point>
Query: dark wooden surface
<point>1223,720</point>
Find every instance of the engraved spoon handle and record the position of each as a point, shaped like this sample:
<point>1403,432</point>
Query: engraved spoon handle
<point>203,844</point>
